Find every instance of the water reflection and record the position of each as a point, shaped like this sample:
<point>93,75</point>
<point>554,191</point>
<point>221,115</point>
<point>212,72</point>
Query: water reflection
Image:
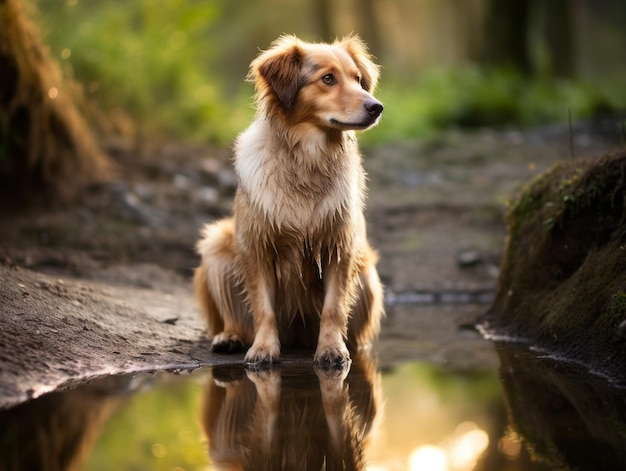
<point>568,418</point>
<point>462,453</point>
<point>295,417</point>
<point>57,431</point>
<point>553,415</point>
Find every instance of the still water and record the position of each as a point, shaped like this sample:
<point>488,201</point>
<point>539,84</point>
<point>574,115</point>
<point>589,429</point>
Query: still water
<point>415,416</point>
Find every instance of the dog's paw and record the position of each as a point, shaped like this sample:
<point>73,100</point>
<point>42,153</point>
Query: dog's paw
<point>262,356</point>
<point>226,342</point>
<point>228,376</point>
<point>332,357</point>
<point>332,374</point>
<point>266,381</point>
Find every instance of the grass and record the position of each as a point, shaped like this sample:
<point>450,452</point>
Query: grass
<point>473,97</point>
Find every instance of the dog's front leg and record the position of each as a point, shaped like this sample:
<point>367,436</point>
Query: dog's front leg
<point>331,347</point>
<point>268,387</point>
<point>266,346</point>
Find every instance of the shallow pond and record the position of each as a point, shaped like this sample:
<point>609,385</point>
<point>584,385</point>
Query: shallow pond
<point>415,416</point>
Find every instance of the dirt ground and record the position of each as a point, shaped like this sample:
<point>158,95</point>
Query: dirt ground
<point>102,286</point>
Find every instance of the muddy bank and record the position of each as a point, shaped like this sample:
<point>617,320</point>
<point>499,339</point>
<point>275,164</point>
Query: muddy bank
<point>58,331</point>
<point>563,282</point>
<point>103,285</point>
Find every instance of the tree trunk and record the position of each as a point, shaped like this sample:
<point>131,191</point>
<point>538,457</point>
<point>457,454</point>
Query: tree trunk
<point>45,143</point>
<point>506,34</point>
<point>323,11</point>
<point>370,31</point>
<point>559,37</point>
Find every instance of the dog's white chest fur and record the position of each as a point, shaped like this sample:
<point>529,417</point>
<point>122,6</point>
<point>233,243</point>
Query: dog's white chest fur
<point>291,191</point>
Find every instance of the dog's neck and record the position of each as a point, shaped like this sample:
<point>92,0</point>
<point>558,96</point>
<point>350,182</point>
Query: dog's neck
<point>313,175</point>
<point>308,142</point>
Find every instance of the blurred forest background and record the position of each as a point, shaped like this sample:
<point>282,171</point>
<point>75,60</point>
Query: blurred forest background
<point>173,70</point>
<point>176,68</point>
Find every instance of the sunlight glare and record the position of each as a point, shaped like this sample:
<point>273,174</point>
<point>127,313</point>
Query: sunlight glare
<point>159,450</point>
<point>428,458</point>
<point>467,449</point>
<point>510,447</point>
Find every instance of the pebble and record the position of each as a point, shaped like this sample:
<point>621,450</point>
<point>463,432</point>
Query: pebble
<point>181,182</point>
<point>468,258</point>
<point>207,195</point>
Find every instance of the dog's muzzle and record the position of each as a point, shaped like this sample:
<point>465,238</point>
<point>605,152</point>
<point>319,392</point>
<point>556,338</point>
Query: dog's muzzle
<point>373,107</point>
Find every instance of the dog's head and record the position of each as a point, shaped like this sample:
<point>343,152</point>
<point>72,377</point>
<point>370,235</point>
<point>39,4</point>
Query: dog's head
<point>329,85</point>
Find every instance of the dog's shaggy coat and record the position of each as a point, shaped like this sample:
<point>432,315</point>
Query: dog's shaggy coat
<point>293,266</point>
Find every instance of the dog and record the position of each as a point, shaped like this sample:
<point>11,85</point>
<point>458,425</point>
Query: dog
<point>253,419</point>
<point>293,267</point>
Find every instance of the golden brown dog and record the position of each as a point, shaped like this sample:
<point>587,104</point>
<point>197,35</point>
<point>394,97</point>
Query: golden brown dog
<point>292,418</point>
<point>293,266</point>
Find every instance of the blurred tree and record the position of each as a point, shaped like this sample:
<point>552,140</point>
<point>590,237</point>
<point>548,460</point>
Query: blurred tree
<point>557,27</point>
<point>364,11</point>
<point>370,29</point>
<point>510,24</point>
<point>45,143</point>
<point>323,10</point>
<point>506,34</point>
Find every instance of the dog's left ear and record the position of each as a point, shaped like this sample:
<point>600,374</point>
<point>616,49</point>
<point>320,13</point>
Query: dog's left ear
<point>363,60</point>
<point>279,70</point>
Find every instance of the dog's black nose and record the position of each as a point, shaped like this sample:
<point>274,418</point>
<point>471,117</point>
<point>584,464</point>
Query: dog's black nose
<point>374,108</point>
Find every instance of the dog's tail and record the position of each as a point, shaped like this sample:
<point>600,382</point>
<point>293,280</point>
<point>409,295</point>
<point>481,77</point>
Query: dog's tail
<point>206,304</point>
<point>218,291</point>
<point>368,309</point>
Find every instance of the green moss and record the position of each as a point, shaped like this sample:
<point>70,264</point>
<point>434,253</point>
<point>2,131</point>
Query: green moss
<point>617,305</point>
<point>546,198</point>
<point>568,188</point>
<point>563,276</point>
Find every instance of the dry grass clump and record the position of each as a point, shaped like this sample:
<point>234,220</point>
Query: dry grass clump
<point>45,143</point>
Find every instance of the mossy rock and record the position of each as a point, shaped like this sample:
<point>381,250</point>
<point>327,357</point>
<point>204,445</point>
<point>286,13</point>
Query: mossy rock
<point>562,285</point>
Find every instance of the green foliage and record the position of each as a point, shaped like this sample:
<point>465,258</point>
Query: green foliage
<point>151,60</point>
<point>473,97</point>
<point>157,430</point>
<point>468,388</point>
<point>166,65</point>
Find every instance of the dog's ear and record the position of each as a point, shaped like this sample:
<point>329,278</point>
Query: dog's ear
<point>363,60</point>
<point>279,70</point>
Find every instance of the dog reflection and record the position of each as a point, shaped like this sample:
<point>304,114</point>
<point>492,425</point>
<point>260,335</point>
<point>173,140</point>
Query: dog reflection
<point>292,418</point>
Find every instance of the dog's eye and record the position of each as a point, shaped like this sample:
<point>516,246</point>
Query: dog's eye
<point>329,79</point>
<point>358,79</point>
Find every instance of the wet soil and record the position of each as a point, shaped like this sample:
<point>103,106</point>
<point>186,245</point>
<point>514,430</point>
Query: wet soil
<point>102,285</point>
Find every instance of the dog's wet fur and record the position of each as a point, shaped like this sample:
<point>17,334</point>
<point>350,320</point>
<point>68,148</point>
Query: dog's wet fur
<point>292,267</point>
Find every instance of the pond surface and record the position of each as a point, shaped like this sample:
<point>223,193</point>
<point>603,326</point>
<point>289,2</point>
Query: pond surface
<point>415,416</point>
